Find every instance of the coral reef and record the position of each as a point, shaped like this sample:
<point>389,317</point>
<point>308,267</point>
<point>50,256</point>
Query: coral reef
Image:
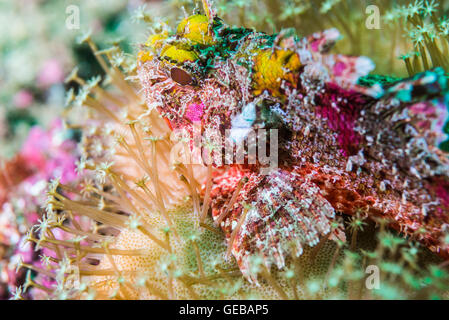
<point>350,173</point>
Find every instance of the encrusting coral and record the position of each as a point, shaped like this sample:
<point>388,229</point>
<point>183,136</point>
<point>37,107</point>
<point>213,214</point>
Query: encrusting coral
<point>138,226</point>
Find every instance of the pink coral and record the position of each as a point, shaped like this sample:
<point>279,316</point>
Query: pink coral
<point>51,73</point>
<point>49,154</point>
<point>45,155</point>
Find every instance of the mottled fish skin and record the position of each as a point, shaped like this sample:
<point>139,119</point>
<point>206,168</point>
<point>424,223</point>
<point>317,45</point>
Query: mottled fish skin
<point>343,148</point>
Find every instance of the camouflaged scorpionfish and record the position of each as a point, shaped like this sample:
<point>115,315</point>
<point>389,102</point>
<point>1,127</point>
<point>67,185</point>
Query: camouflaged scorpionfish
<point>344,147</point>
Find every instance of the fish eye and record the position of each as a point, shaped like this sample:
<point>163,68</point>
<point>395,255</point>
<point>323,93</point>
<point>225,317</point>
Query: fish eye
<point>181,76</point>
